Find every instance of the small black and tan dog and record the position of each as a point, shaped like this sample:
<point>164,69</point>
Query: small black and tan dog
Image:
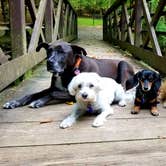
<point>148,84</point>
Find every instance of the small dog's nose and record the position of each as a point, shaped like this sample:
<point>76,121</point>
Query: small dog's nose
<point>84,95</point>
<point>145,88</point>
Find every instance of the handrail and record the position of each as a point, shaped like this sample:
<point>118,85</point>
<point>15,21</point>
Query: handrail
<point>48,21</point>
<point>125,24</point>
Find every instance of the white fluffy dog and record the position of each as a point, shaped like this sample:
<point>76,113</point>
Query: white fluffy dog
<point>93,94</point>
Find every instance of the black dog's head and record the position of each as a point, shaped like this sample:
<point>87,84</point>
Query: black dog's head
<point>147,79</point>
<point>60,55</point>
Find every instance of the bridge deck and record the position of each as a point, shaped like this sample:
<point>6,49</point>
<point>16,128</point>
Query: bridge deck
<point>124,139</point>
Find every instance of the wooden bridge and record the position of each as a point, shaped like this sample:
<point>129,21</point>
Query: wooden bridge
<point>33,137</point>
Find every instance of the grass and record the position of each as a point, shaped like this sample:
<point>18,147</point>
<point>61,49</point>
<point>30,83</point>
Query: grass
<point>82,21</point>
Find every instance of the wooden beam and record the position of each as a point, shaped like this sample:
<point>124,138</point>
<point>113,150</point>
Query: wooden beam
<point>49,21</point>
<point>128,24</point>
<point>32,10</point>
<point>155,18</point>
<point>157,62</point>
<point>18,66</point>
<point>57,20</point>
<point>17,24</point>
<point>153,37</point>
<point>37,27</point>
<point>138,24</point>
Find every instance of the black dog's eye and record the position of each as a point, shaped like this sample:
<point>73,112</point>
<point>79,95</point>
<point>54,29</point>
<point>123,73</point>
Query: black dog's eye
<point>79,86</point>
<point>91,86</point>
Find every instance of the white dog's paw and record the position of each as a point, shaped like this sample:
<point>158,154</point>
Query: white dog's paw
<point>11,104</point>
<point>68,122</point>
<point>98,122</point>
<point>122,103</point>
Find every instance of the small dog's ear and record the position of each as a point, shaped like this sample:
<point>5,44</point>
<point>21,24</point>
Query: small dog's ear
<point>130,83</point>
<point>72,87</point>
<point>157,78</point>
<point>78,50</point>
<point>44,45</point>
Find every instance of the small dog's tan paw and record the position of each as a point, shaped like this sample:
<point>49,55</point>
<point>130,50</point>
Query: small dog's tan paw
<point>154,111</point>
<point>136,110</point>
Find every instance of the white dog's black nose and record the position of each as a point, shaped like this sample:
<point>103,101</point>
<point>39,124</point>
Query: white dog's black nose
<point>84,95</point>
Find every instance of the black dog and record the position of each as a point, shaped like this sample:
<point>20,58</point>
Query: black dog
<point>147,91</point>
<point>65,61</point>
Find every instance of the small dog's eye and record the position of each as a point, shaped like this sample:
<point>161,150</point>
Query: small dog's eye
<point>91,86</point>
<point>79,86</point>
<point>151,79</point>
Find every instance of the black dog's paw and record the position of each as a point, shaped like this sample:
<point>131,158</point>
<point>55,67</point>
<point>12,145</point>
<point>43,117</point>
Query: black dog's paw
<point>36,104</point>
<point>11,104</point>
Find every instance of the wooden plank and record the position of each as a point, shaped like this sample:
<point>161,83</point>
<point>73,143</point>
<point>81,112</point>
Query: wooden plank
<point>32,10</point>
<point>37,27</point>
<point>148,152</point>
<point>156,18</point>
<point>57,112</point>
<point>57,20</point>
<point>117,25</point>
<point>17,24</point>
<point>123,25</point>
<point>151,29</point>
<point>138,24</point>
<point>17,67</point>
<point>128,24</point>
<point>36,134</point>
<point>148,57</point>
<point>66,23</point>
<point>49,21</point>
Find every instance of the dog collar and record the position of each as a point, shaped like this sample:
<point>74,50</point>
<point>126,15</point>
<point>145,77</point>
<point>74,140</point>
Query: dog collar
<point>89,108</point>
<point>77,65</point>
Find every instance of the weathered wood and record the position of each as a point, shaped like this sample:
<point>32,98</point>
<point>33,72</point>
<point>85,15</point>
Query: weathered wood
<point>128,24</point>
<point>17,67</point>
<point>57,19</point>
<point>29,134</point>
<point>151,29</point>
<point>33,12</point>
<point>123,25</point>
<point>57,112</point>
<point>155,18</point>
<point>65,31</point>
<point>17,24</point>
<point>138,25</point>
<point>49,21</point>
<point>148,152</point>
<point>148,57</point>
<point>37,27</point>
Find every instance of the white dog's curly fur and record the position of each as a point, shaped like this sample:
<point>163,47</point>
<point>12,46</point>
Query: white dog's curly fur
<point>97,92</point>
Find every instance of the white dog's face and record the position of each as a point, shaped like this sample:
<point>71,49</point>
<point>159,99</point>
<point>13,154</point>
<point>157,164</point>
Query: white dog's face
<point>85,86</point>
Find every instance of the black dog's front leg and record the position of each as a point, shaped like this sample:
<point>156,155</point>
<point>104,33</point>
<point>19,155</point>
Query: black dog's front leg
<point>39,99</point>
<point>62,95</point>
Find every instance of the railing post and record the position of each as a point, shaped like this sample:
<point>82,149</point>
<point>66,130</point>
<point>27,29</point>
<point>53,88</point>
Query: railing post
<point>49,21</point>
<point>138,27</point>
<point>17,23</point>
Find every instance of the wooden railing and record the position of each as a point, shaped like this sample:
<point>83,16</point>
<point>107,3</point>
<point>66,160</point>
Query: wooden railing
<point>131,25</point>
<point>30,24</point>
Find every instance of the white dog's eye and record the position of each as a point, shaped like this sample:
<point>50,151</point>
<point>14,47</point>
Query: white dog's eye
<point>79,86</point>
<point>91,86</point>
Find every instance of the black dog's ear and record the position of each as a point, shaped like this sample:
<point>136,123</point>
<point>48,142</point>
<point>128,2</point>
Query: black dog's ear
<point>78,50</point>
<point>133,81</point>
<point>44,45</point>
<point>157,80</point>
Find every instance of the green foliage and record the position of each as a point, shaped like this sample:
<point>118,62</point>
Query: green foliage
<point>89,7</point>
<point>89,22</point>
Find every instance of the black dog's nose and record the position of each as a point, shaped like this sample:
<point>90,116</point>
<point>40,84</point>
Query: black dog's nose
<point>84,95</point>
